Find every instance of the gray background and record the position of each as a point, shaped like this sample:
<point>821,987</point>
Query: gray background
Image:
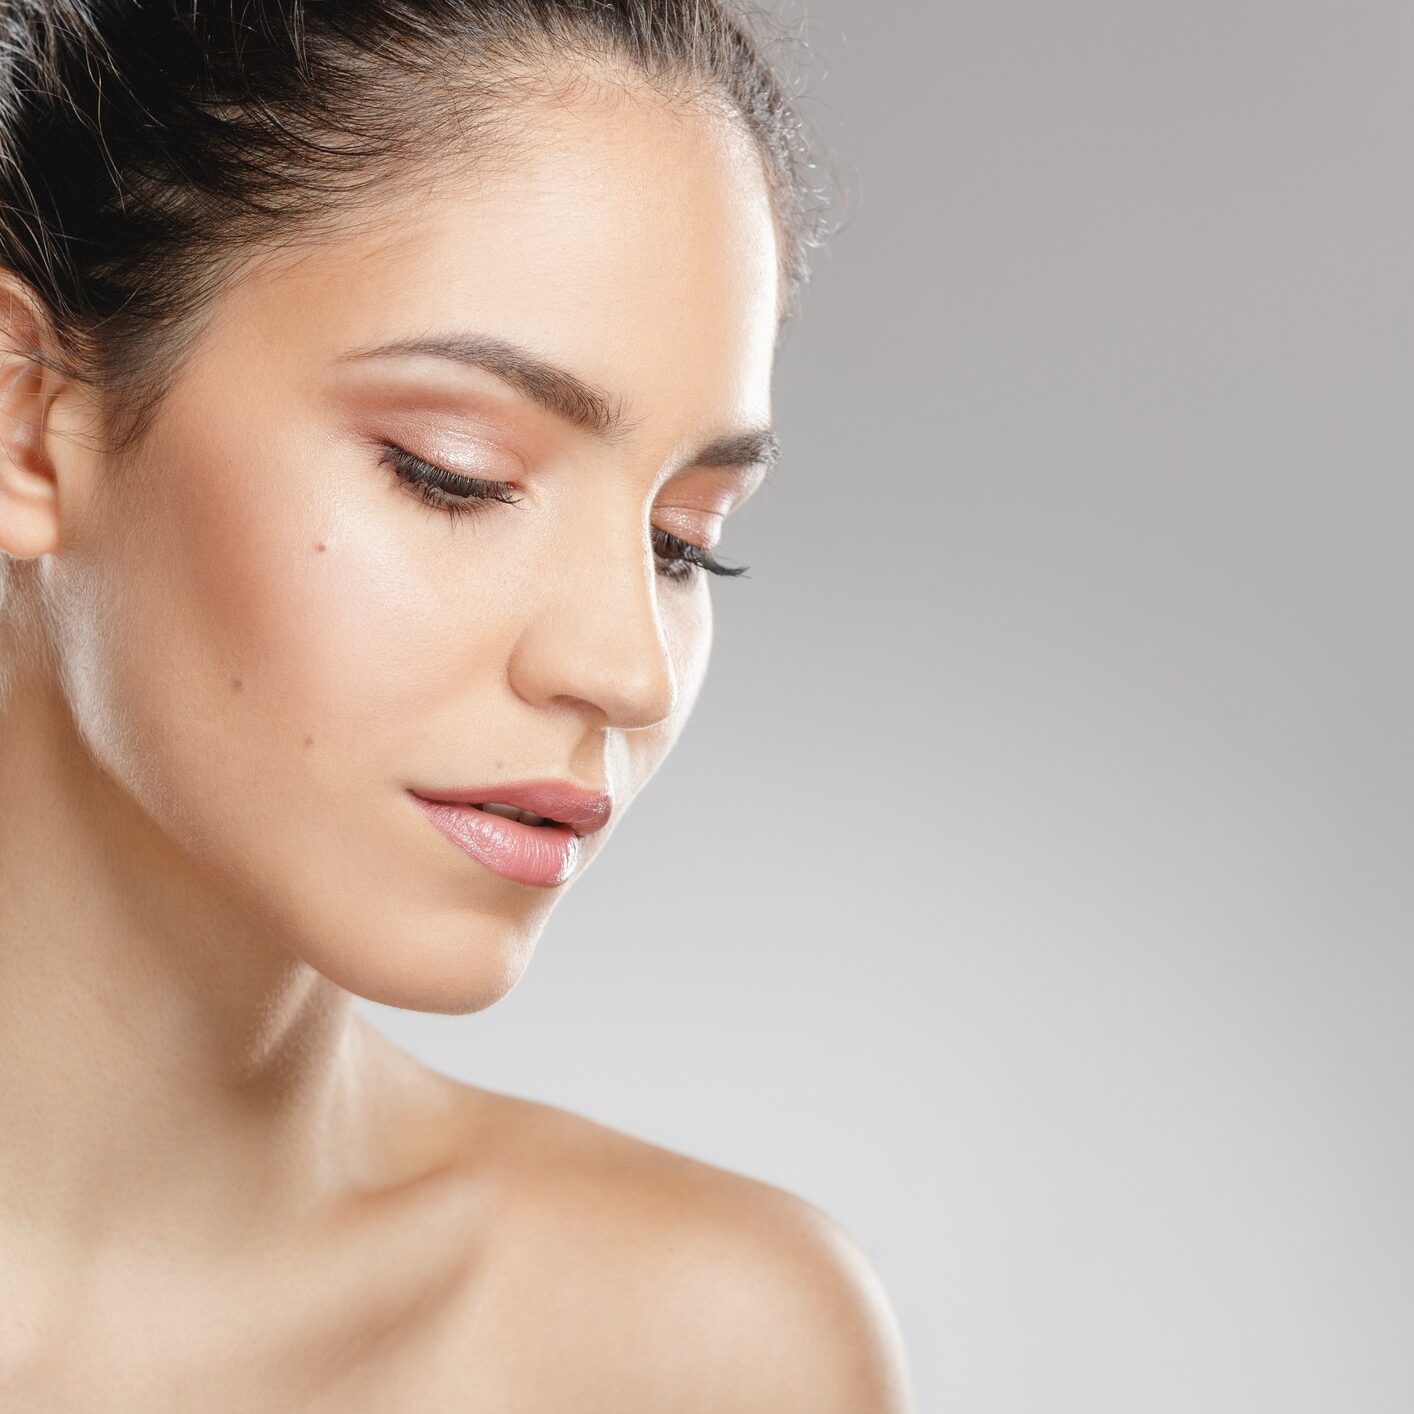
<point>1031,890</point>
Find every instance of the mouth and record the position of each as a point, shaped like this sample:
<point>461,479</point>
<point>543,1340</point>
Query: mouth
<point>534,803</point>
<point>539,847</point>
<point>509,812</point>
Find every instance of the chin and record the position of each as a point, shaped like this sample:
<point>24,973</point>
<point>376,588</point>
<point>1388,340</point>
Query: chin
<point>455,965</point>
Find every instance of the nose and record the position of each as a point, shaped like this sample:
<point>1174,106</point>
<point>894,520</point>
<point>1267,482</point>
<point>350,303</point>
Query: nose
<point>595,636</point>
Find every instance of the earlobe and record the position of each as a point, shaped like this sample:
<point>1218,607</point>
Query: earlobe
<point>29,488</point>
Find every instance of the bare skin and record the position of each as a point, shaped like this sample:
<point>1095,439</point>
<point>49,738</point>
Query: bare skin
<point>227,655</point>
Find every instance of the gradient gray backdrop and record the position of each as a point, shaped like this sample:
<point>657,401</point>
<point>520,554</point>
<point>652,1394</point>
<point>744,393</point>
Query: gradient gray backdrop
<point>1032,889</point>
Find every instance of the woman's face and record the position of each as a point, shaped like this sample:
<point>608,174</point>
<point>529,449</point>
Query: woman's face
<point>269,639</point>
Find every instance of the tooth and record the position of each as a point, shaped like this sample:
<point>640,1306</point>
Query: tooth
<point>510,812</point>
<point>494,807</point>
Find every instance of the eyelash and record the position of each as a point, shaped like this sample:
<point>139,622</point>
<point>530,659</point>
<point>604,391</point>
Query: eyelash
<point>446,491</point>
<point>457,496</point>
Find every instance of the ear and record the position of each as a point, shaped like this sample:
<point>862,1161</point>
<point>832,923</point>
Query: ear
<point>29,479</point>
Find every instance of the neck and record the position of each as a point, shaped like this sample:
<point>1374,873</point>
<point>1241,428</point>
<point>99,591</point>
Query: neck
<point>160,1055</point>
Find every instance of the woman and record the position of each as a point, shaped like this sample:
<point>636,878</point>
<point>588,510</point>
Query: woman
<point>379,379</point>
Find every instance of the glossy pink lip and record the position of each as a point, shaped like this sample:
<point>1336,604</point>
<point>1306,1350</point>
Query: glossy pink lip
<point>540,855</point>
<point>582,810</point>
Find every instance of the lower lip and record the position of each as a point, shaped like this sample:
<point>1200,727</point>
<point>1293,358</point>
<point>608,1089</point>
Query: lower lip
<point>542,855</point>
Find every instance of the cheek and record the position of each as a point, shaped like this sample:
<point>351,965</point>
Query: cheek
<point>213,647</point>
<point>304,599</point>
<point>261,699</point>
<point>687,633</point>
<point>687,629</point>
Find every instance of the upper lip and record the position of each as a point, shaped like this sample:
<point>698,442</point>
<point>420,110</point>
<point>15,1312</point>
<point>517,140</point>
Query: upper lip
<point>584,811</point>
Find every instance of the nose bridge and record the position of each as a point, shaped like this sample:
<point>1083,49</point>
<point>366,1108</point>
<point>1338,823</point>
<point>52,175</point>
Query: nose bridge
<point>594,633</point>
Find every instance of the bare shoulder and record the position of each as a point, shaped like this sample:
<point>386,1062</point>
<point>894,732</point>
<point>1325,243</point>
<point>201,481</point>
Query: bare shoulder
<point>695,1285</point>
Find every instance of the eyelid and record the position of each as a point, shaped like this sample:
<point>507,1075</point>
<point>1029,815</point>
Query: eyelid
<point>483,468</point>
<point>440,488</point>
<point>433,441</point>
<point>699,555</point>
<point>691,524</point>
<point>716,488</point>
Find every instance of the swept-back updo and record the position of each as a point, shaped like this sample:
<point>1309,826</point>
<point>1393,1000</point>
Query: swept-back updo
<point>146,146</point>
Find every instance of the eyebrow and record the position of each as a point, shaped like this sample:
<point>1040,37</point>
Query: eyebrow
<point>759,446</point>
<point>565,394</point>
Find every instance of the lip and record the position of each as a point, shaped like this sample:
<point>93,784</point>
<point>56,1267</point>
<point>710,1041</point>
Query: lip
<point>584,811</point>
<point>543,856</point>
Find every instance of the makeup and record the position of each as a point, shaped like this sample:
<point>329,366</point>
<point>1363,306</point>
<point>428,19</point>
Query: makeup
<point>542,854</point>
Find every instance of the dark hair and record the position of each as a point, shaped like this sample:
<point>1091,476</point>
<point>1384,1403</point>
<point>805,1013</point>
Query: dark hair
<point>146,146</point>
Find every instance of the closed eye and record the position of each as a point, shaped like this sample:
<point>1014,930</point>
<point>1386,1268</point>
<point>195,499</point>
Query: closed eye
<point>457,495</point>
<point>451,492</point>
<point>681,559</point>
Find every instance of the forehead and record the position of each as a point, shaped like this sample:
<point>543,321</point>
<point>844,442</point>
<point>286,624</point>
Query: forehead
<point>615,234</point>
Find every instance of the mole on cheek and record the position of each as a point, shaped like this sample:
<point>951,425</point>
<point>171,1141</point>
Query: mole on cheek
<point>309,741</point>
<point>321,546</point>
<point>237,685</point>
